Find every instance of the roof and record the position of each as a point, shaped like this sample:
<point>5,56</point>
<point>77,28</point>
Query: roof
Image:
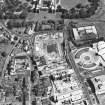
<point>20,57</point>
<point>81,32</point>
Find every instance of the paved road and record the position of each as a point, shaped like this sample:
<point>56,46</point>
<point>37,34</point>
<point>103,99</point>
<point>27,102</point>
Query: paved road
<point>76,69</point>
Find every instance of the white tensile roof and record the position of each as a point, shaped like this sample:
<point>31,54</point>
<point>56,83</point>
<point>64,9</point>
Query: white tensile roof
<point>101,47</point>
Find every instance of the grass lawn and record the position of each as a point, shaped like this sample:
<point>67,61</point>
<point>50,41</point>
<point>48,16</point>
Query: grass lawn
<point>101,29</point>
<point>43,15</point>
<point>68,4</point>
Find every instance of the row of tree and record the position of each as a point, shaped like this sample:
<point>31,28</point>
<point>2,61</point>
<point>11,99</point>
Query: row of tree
<point>10,7</point>
<point>11,15</point>
<point>16,24</point>
<point>79,11</point>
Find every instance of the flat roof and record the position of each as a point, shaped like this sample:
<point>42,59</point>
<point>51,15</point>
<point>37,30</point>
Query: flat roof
<point>76,35</point>
<point>87,29</point>
<point>20,57</point>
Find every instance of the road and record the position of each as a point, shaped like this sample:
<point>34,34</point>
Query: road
<point>29,90</point>
<point>29,79</point>
<point>76,69</point>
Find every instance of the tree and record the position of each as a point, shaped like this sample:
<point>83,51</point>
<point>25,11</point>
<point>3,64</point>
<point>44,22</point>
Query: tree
<point>33,61</point>
<point>9,68</point>
<point>34,102</point>
<point>72,13</point>
<point>15,38</point>
<point>64,11</point>
<point>24,83</point>
<point>35,90</point>
<point>90,0</point>
<point>14,90</point>
<point>52,78</point>
<point>94,6</point>
<point>15,3</point>
<point>93,1</point>
<point>3,54</point>
<point>59,8</point>
<point>29,9</point>
<point>87,7</point>
<point>91,11</point>
<point>19,98</point>
<point>25,5</point>
<point>10,24</point>
<point>50,21</point>
<point>32,76</point>
<point>29,0</point>
<point>65,15</point>
<point>4,41</point>
<point>0,76</point>
<point>79,5</point>
<point>9,15</point>
<point>8,4</point>
<point>1,14</point>
<point>93,90</point>
<point>49,10</point>
<point>23,15</point>
<point>48,3</point>
<point>83,13</point>
<point>4,9</point>
<point>40,73</point>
